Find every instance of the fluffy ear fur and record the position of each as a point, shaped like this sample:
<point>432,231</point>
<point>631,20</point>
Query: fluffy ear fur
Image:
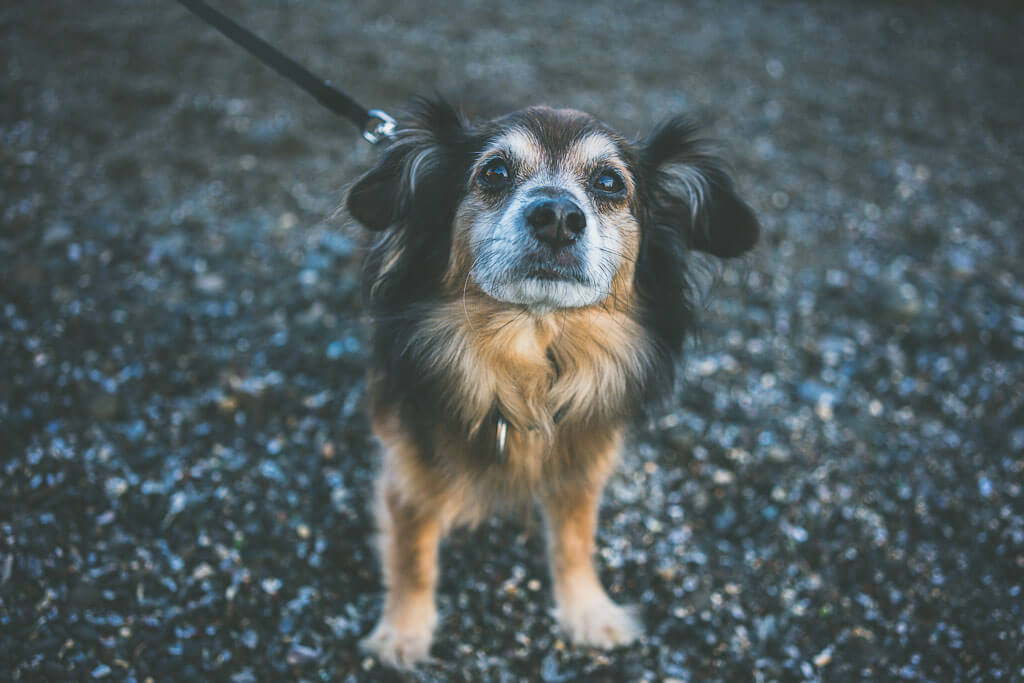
<point>412,193</point>
<point>412,175</point>
<point>687,202</point>
<point>691,191</point>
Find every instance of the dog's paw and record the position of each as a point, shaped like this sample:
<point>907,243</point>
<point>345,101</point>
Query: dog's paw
<point>399,648</point>
<point>599,623</point>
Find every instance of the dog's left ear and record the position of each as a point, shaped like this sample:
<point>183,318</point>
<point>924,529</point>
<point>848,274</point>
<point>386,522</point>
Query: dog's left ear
<point>691,191</point>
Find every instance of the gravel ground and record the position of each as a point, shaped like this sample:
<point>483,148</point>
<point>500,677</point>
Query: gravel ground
<point>835,492</point>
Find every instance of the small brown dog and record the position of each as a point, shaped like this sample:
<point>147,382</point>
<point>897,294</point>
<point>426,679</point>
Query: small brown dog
<point>529,294</point>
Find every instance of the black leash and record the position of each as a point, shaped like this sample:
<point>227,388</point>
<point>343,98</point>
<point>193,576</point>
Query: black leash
<point>375,124</point>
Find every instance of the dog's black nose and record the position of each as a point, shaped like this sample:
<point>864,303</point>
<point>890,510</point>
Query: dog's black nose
<point>556,221</point>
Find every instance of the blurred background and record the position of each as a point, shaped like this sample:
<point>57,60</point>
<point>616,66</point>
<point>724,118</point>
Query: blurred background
<point>833,493</point>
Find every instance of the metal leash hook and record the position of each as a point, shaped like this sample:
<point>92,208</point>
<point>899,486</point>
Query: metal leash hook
<point>379,125</point>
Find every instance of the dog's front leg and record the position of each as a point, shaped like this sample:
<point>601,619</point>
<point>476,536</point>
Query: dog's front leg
<point>409,536</point>
<point>584,611</point>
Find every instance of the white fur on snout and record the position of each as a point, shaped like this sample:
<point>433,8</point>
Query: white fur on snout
<point>502,240</point>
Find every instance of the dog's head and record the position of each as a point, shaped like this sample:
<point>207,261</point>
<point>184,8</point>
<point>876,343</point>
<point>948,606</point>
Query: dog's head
<point>547,209</point>
<point>547,219</point>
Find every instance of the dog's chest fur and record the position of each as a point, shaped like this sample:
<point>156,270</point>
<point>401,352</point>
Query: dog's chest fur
<point>545,374</point>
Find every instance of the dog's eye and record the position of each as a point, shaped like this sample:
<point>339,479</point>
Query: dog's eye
<point>495,174</point>
<point>608,181</point>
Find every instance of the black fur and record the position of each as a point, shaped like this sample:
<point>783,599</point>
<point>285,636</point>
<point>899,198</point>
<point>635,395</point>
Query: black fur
<point>723,225</point>
<point>419,221</point>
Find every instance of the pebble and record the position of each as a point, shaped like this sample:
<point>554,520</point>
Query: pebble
<point>250,639</point>
<point>906,300</point>
<point>210,283</point>
<point>962,262</point>
<point>300,654</point>
<point>985,486</point>
<point>57,234</point>
<point>335,349</point>
<point>104,406</point>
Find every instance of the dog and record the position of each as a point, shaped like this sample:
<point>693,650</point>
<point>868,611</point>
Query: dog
<point>529,295</point>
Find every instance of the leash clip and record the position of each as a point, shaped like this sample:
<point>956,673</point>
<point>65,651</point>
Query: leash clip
<point>378,125</point>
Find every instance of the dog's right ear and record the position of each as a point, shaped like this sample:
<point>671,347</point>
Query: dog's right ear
<point>416,170</point>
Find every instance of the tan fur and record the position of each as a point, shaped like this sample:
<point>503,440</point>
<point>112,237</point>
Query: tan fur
<point>464,488</point>
<point>584,610</point>
<point>595,150</point>
<point>409,536</point>
<point>519,143</point>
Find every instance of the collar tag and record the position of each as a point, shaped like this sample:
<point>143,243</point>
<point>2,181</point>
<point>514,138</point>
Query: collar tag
<point>501,438</point>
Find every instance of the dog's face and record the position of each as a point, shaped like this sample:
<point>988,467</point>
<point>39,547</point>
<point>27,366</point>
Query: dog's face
<point>547,221</point>
<point>547,209</point>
